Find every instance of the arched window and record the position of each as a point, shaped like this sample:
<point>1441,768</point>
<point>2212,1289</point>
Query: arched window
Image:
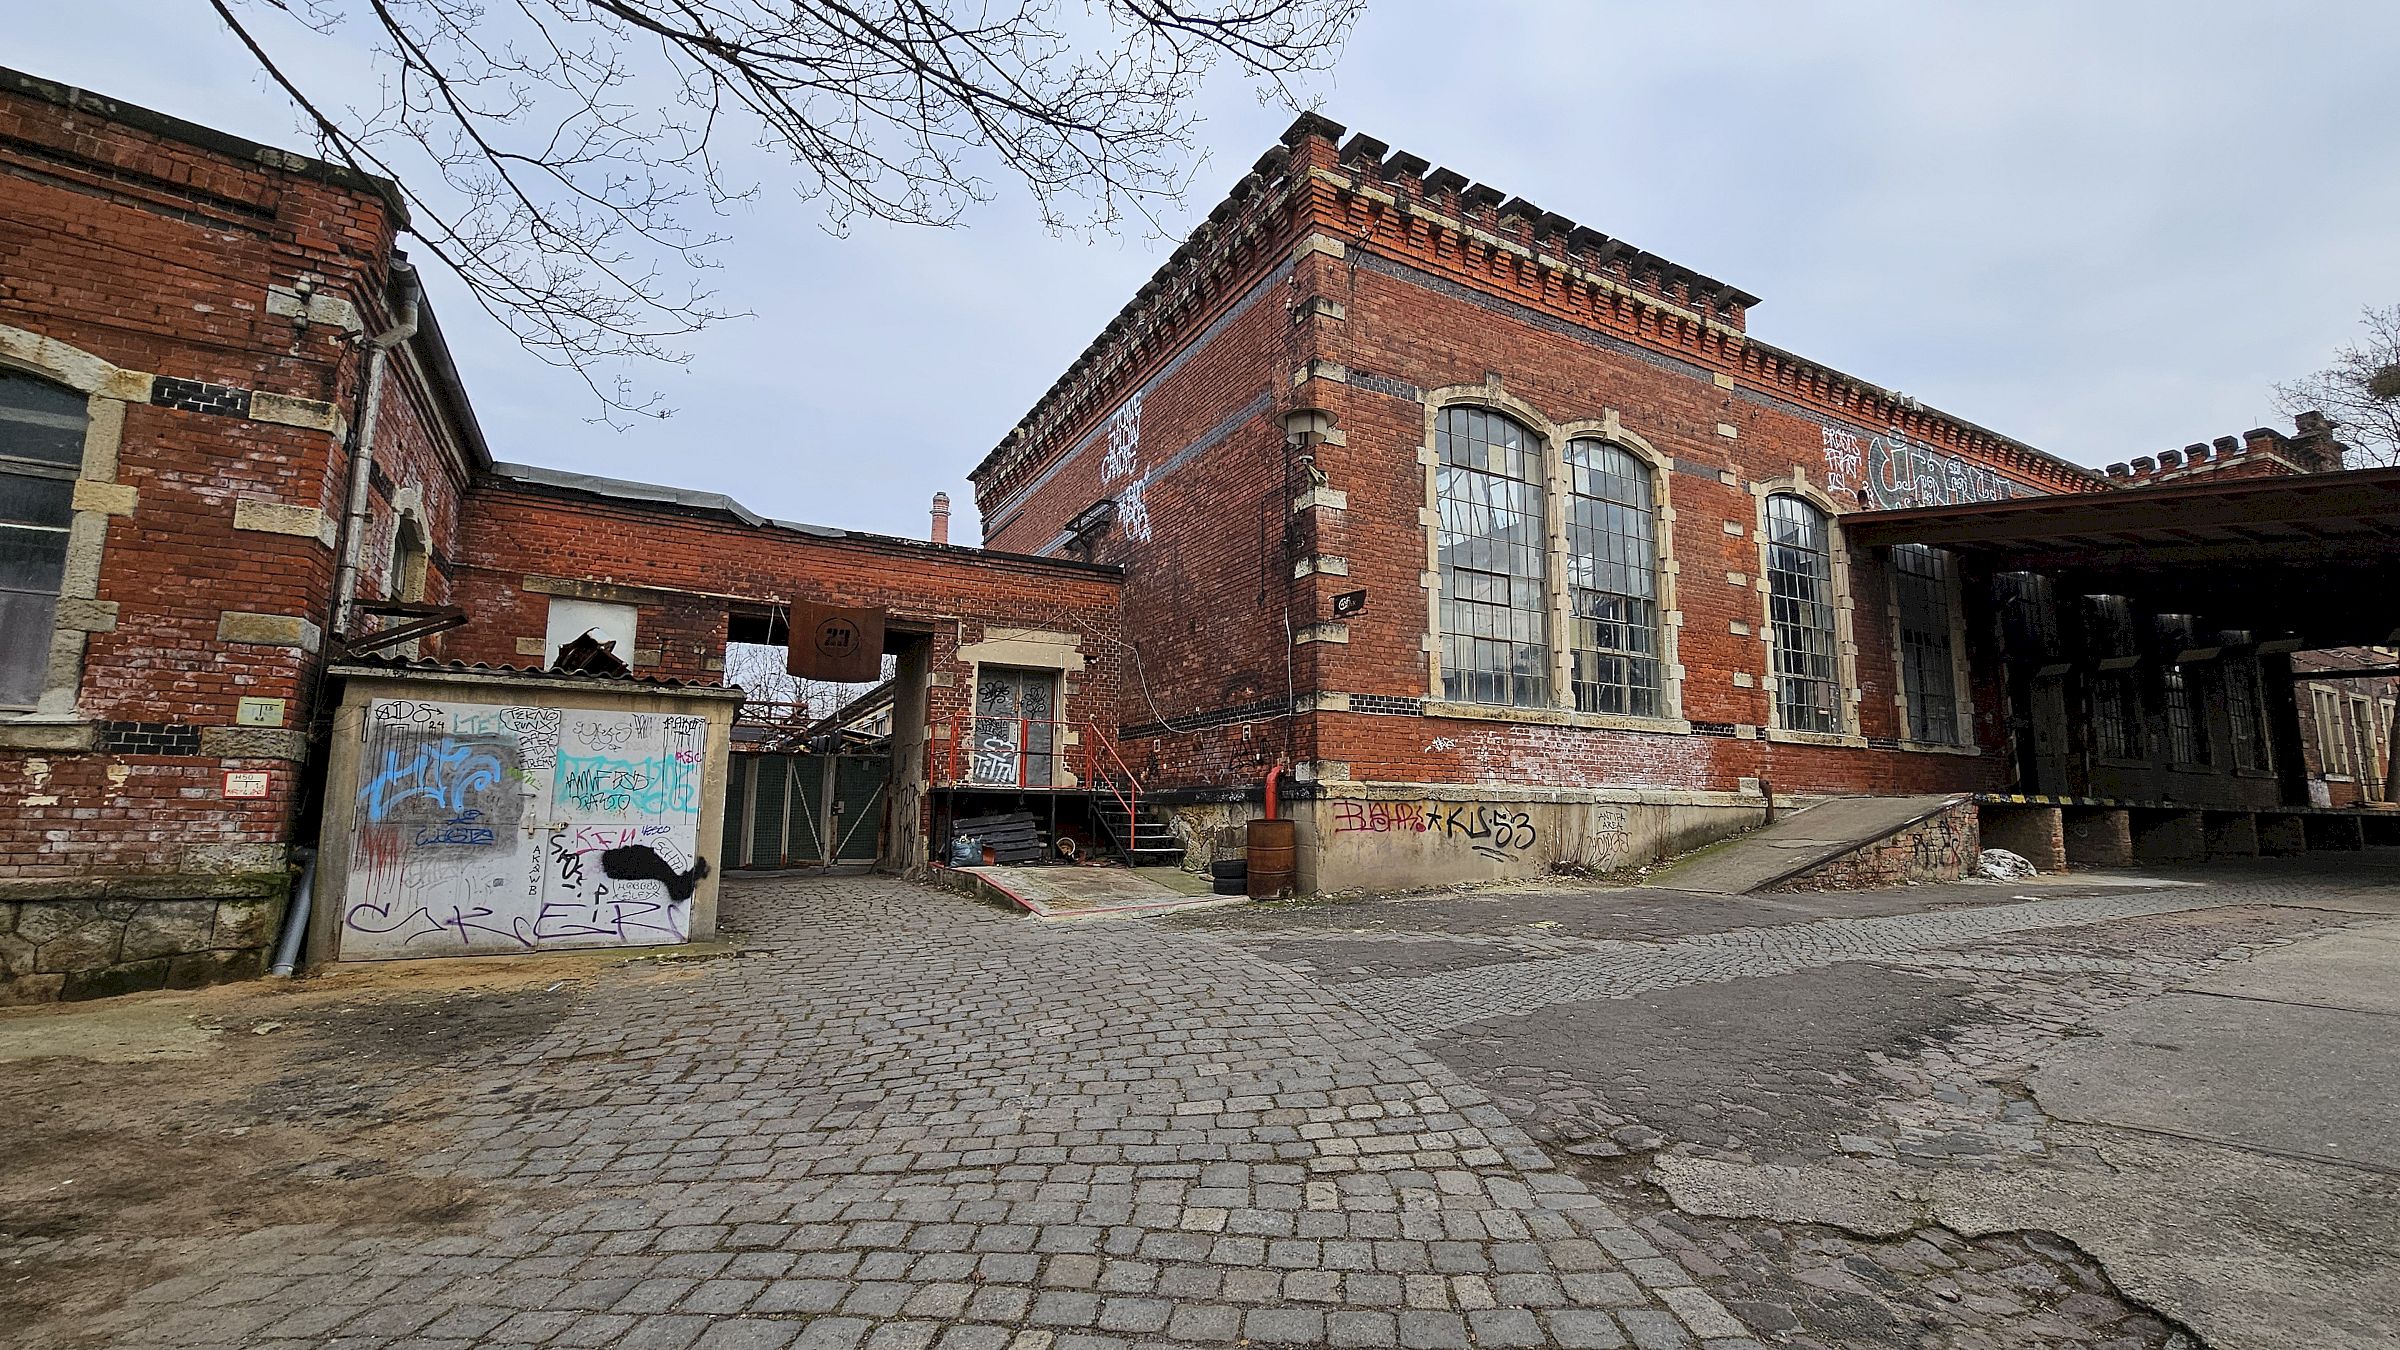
<point>1612,580</point>
<point>41,452</point>
<point>1494,601</point>
<point>1800,601</point>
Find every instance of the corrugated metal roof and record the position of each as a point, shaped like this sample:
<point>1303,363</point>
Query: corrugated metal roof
<point>403,665</point>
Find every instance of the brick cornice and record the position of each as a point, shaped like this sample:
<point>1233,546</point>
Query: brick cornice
<point>1507,258</point>
<point>1247,234</point>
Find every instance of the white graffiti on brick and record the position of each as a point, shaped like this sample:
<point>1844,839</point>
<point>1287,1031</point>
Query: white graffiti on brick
<point>1124,442</point>
<point>1890,471</point>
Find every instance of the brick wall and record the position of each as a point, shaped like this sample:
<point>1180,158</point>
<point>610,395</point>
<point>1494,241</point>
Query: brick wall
<point>1344,278</point>
<point>207,295</point>
<point>686,572</point>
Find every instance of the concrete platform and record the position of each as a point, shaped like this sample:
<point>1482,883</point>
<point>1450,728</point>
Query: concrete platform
<point>1796,842</point>
<point>1089,892</point>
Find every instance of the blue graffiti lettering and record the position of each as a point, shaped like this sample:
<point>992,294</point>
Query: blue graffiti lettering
<point>443,773</point>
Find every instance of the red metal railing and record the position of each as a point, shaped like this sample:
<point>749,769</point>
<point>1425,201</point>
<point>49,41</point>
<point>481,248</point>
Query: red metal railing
<point>1033,753</point>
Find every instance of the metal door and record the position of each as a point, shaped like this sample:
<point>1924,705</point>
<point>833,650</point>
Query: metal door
<point>2053,739</point>
<point>855,829</point>
<point>1015,735</point>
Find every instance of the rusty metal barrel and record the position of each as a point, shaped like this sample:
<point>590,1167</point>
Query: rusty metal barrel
<point>1274,856</point>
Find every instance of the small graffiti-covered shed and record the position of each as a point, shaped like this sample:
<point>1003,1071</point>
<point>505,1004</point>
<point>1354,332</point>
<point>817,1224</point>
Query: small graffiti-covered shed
<point>474,810</point>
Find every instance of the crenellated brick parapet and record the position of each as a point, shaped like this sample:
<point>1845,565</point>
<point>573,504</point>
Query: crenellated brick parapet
<point>2260,452</point>
<point>1347,195</point>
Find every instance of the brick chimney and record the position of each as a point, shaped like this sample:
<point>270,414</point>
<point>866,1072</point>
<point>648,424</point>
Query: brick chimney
<point>941,517</point>
<point>2319,450</point>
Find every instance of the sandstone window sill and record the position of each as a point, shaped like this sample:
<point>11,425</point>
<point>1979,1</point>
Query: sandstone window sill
<point>59,735</point>
<point>1937,748</point>
<point>1558,717</point>
<point>1841,740</point>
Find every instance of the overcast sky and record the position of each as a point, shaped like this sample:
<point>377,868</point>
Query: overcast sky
<point>2106,229</point>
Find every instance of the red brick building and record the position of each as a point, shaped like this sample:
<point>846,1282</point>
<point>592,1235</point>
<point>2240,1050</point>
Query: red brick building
<point>1510,540</point>
<point>183,374</point>
<point>1502,543</point>
<point>200,513</point>
<point>2347,702</point>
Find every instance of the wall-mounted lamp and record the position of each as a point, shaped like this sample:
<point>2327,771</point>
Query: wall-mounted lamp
<point>1307,425</point>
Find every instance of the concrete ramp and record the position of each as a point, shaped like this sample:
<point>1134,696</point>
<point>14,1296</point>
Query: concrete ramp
<point>1800,841</point>
<point>1062,892</point>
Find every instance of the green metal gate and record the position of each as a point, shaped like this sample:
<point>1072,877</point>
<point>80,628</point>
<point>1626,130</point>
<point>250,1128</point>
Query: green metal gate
<point>804,810</point>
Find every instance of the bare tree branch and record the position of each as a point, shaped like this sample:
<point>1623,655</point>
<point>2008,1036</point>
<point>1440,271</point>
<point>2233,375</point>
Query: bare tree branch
<point>565,158</point>
<point>2356,391</point>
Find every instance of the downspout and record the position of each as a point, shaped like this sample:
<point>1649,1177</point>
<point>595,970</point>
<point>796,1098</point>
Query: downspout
<point>1274,776</point>
<point>362,456</point>
<point>295,916</point>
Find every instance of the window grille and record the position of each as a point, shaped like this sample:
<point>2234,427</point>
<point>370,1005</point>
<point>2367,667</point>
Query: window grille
<point>2117,716</point>
<point>1800,602</point>
<point>41,452</point>
<point>2187,740</point>
<point>1495,625</point>
<point>1612,580</point>
<point>1928,670</point>
<point>2242,714</point>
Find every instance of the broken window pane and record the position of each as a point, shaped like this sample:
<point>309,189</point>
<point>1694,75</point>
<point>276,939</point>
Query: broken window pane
<point>1494,603</point>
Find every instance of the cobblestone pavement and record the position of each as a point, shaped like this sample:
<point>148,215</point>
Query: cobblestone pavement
<point>909,1122</point>
<point>1887,1034</point>
<point>1429,1003</point>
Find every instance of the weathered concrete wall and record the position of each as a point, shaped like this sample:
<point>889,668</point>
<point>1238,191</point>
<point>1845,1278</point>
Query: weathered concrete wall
<point>1379,838</point>
<point>443,838</point>
<point>1942,847</point>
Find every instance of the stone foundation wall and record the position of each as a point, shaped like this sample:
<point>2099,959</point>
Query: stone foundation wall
<point>67,948</point>
<point>1941,847</point>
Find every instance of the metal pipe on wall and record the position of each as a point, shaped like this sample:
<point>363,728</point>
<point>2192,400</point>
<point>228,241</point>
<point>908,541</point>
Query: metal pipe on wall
<point>362,456</point>
<point>295,916</point>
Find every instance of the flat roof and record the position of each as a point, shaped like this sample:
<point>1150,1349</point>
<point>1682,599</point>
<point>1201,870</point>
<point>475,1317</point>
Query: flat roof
<point>690,501</point>
<point>2316,555</point>
<point>2353,511</point>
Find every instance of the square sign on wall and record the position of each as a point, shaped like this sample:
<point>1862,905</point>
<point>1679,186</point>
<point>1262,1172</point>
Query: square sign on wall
<point>247,784</point>
<point>258,712</point>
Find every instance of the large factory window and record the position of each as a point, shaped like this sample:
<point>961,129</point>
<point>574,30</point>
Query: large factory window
<point>1800,601</point>
<point>1494,598</point>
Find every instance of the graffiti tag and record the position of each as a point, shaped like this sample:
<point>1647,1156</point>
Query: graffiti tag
<point>442,773</point>
<point>1890,471</point>
<point>1496,832</point>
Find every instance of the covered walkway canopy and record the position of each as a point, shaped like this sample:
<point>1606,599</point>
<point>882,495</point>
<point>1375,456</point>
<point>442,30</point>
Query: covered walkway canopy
<point>2314,557</point>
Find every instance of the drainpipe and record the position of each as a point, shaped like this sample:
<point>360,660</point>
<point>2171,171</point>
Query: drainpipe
<point>407,290</point>
<point>295,916</point>
<point>1274,775</point>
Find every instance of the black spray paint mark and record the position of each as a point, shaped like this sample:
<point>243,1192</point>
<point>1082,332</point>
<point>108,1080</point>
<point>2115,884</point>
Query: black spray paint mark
<point>640,862</point>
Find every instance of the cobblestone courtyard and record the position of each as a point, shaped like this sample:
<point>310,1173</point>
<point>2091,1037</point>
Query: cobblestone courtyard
<point>905,1121</point>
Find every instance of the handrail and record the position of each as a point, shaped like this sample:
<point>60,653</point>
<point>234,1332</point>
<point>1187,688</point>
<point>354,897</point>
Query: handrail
<point>1007,760</point>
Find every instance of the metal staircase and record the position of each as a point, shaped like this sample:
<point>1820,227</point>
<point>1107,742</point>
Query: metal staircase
<point>1024,755</point>
<point>1141,839</point>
